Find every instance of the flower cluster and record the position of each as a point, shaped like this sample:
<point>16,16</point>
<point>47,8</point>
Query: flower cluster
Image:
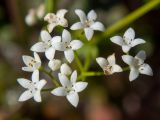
<point>66,84</point>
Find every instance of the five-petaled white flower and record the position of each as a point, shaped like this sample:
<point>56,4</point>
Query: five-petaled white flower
<point>33,87</point>
<point>137,65</point>
<point>56,19</point>
<point>54,64</point>
<point>70,88</point>
<point>45,45</point>
<point>87,23</point>
<point>66,44</point>
<point>128,41</point>
<point>31,63</point>
<point>109,65</point>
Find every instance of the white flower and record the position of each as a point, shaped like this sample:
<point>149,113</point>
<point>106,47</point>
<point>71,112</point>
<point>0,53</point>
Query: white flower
<point>45,45</point>
<point>66,44</point>
<point>33,87</point>
<point>87,23</point>
<point>56,19</point>
<point>31,63</point>
<point>70,88</point>
<point>65,69</point>
<point>109,65</point>
<point>54,64</point>
<point>30,18</point>
<point>128,41</point>
<point>137,65</point>
<point>40,11</point>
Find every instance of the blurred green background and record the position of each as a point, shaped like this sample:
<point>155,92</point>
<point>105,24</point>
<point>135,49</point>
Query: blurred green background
<point>106,98</point>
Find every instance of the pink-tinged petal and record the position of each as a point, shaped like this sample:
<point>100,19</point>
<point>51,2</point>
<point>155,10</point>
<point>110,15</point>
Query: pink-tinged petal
<point>117,40</point>
<point>41,84</point>
<point>74,77</point>
<point>35,76</point>
<point>73,98</point>
<point>137,42</point>
<point>76,44</point>
<point>98,26</point>
<point>49,53</point>
<point>24,82</point>
<point>66,36</point>
<point>146,69</point>
<point>37,96</point>
<point>102,62</point>
<point>81,15</point>
<point>80,86</point>
<point>39,47</point>
<point>77,26</point>
<point>45,36</point>
<point>134,73</point>
<point>92,15</point>
<point>111,59</point>
<point>64,80</point>
<point>69,55</point>
<point>60,91</point>
<point>128,59</point>
<point>25,96</point>
<point>129,34</point>
<point>88,33</point>
<point>126,48</point>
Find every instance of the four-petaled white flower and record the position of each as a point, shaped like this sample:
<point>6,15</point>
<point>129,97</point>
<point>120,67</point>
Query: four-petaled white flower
<point>87,23</point>
<point>128,41</point>
<point>31,63</point>
<point>56,19</point>
<point>54,64</point>
<point>66,44</point>
<point>33,87</point>
<point>70,88</point>
<point>137,65</point>
<point>45,45</point>
<point>65,69</point>
<point>109,65</point>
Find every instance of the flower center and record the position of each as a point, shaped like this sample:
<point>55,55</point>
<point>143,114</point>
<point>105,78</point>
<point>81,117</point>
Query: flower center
<point>108,70</point>
<point>127,40</point>
<point>88,23</point>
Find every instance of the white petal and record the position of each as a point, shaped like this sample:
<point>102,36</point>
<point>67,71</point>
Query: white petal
<point>61,13</point>
<point>49,53</point>
<point>88,33</point>
<point>128,59</point>
<point>24,82</point>
<point>54,64</point>
<point>137,42</point>
<point>41,84</point>
<point>117,40</point>
<point>129,34</point>
<point>69,55</point>
<point>65,69</point>
<point>111,59</point>
<point>35,76</point>
<point>77,26</point>
<point>141,55</point>
<point>74,77</point>
<point>98,26</point>
<point>102,62</point>
<point>146,69</point>
<point>73,98</point>
<point>66,36</point>
<point>45,36</point>
<point>76,44</point>
<point>60,91</point>
<point>50,17</point>
<point>28,69</point>
<point>55,39</point>
<point>37,96</point>
<point>134,73</point>
<point>81,15</point>
<point>92,15</point>
<point>116,68</point>
<point>25,96</point>
<point>64,80</point>
<point>51,26</point>
<point>36,57</point>
<point>27,59</point>
<point>39,47</point>
<point>126,48</point>
<point>63,22</point>
<point>80,86</point>
<point>60,46</point>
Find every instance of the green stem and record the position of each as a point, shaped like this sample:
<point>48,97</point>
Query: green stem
<point>89,74</point>
<point>78,61</point>
<point>46,90</point>
<point>87,62</point>
<point>126,68</point>
<point>50,5</point>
